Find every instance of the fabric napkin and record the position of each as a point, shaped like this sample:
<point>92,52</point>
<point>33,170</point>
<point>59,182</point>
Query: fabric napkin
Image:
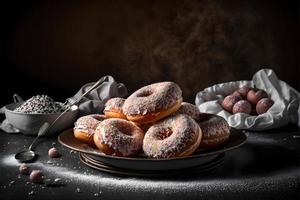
<point>95,100</point>
<point>285,110</point>
<point>91,103</point>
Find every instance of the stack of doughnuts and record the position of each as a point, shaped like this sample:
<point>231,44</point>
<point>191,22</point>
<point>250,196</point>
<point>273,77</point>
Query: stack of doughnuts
<point>154,121</point>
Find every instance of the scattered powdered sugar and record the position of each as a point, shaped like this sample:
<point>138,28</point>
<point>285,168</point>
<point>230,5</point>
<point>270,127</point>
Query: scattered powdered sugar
<point>196,187</point>
<point>78,190</point>
<point>40,104</point>
<point>54,182</point>
<point>96,194</point>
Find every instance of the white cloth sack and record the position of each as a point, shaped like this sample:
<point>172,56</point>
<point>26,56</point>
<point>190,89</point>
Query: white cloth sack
<point>285,110</point>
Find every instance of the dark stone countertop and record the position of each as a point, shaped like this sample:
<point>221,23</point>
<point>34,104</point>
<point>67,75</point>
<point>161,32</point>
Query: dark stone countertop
<point>266,167</point>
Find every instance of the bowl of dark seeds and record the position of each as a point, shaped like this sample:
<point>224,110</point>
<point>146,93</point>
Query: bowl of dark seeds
<point>28,116</point>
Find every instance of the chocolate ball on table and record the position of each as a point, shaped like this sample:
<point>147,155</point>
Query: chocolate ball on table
<point>244,91</point>
<point>242,106</point>
<point>53,153</point>
<point>254,96</point>
<point>229,102</point>
<point>263,105</point>
<point>24,169</point>
<point>36,176</point>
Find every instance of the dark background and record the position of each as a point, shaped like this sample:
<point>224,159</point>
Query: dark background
<point>54,47</point>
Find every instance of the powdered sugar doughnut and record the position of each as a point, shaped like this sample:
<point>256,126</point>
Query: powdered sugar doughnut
<point>215,130</point>
<point>113,108</point>
<point>153,102</point>
<point>189,109</point>
<point>119,137</point>
<point>144,127</point>
<point>85,128</point>
<point>176,136</point>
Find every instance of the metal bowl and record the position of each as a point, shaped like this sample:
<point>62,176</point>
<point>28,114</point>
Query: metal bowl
<point>29,123</point>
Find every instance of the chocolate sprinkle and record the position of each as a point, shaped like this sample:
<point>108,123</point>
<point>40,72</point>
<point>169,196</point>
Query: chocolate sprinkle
<point>40,104</point>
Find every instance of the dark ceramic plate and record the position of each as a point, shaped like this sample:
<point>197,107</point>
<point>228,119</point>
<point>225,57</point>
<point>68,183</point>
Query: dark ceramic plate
<point>86,159</point>
<point>201,157</point>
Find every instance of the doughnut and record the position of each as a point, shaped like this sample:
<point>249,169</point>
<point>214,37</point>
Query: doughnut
<point>85,127</point>
<point>153,102</point>
<point>119,137</point>
<point>145,126</point>
<point>176,136</point>
<point>188,109</point>
<point>113,108</point>
<point>215,130</point>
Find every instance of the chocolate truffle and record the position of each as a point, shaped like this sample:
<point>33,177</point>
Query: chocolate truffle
<point>229,102</point>
<point>24,168</point>
<point>242,106</point>
<point>36,176</point>
<point>236,93</point>
<point>244,91</point>
<point>263,105</point>
<point>254,96</point>
<point>53,153</point>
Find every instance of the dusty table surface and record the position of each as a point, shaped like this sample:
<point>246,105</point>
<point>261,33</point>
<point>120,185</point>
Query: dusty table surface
<point>267,166</point>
